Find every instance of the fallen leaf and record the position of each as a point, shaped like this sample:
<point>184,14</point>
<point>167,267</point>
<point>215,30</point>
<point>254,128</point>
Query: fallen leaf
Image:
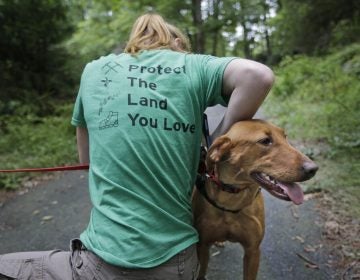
<point>309,249</point>
<point>215,253</point>
<point>331,228</point>
<point>295,212</point>
<point>313,266</point>
<point>219,244</point>
<point>309,263</point>
<point>47,218</point>
<point>300,238</point>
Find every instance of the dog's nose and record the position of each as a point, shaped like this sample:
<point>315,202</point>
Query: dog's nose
<point>309,168</point>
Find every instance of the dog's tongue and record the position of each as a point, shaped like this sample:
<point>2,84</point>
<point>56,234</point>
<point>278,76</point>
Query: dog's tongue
<point>294,191</point>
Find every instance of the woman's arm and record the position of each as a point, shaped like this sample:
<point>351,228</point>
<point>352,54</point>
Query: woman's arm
<point>82,137</point>
<point>248,82</point>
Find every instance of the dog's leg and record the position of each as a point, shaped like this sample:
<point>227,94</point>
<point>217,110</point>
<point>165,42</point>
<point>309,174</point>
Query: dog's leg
<point>251,263</point>
<point>203,251</point>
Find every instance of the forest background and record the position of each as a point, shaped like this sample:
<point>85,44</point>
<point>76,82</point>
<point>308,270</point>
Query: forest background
<point>312,45</point>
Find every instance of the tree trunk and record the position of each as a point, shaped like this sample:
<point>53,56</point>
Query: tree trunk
<point>267,36</point>
<point>199,38</point>
<point>217,28</point>
<point>246,40</point>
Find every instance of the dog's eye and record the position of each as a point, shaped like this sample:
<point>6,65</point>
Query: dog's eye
<point>265,141</point>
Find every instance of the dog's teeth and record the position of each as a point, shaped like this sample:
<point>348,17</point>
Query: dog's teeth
<point>269,178</point>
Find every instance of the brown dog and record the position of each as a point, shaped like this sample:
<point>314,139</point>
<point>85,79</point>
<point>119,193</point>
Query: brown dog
<point>228,204</point>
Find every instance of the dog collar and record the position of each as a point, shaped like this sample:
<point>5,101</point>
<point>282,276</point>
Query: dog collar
<point>221,185</point>
<point>200,185</point>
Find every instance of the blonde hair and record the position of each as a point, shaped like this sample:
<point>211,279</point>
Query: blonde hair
<point>150,31</point>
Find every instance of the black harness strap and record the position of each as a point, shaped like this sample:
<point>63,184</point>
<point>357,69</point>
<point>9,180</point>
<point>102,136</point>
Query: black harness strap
<point>205,130</point>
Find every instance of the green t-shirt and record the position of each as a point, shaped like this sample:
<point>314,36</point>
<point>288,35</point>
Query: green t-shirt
<point>144,118</point>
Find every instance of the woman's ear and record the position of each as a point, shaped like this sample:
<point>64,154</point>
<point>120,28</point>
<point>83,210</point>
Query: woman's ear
<point>178,43</point>
<point>217,150</point>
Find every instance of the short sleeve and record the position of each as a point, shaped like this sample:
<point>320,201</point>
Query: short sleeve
<point>214,68</point>
<point>78,118</point>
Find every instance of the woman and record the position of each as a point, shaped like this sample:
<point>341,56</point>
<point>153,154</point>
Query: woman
<point>139,117</point>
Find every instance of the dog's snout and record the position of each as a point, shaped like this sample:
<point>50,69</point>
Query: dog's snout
<point>309,168</point>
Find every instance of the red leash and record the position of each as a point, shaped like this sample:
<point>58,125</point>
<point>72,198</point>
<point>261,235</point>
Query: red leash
<point>48,169</point>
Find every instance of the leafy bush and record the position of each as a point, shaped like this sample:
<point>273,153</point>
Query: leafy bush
<point>319,97</point>
<point>34,63</point>
<point>31,141</point>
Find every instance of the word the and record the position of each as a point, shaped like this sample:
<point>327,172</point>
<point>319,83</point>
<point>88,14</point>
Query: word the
<point>141,83</point>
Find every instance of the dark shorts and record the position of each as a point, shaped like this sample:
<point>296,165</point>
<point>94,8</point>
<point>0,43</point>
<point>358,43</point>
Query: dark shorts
<point>79,263</point>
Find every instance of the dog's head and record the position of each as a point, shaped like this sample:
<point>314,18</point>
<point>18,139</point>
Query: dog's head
<point>256,150</point>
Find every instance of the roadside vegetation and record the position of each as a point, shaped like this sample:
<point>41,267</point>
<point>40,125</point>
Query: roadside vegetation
<point>29,141</point>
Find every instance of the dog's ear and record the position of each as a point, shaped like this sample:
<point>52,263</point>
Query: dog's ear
<point>216,151</point>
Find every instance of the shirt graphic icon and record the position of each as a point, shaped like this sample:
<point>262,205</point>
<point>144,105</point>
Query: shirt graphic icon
<point>112,120</point>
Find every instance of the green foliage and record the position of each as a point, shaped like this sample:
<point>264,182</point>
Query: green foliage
<point>312,26</point>
<point>32,60</point>
<point>320,97</point>
<point>346,31</point>
<point>106,25</point>
<point>98,33</point>
<point>30,141</point>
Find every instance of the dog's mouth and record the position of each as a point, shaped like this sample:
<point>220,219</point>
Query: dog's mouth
<point>285,191</point>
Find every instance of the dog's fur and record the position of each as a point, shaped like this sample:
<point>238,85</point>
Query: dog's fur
<point>241,158</point>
